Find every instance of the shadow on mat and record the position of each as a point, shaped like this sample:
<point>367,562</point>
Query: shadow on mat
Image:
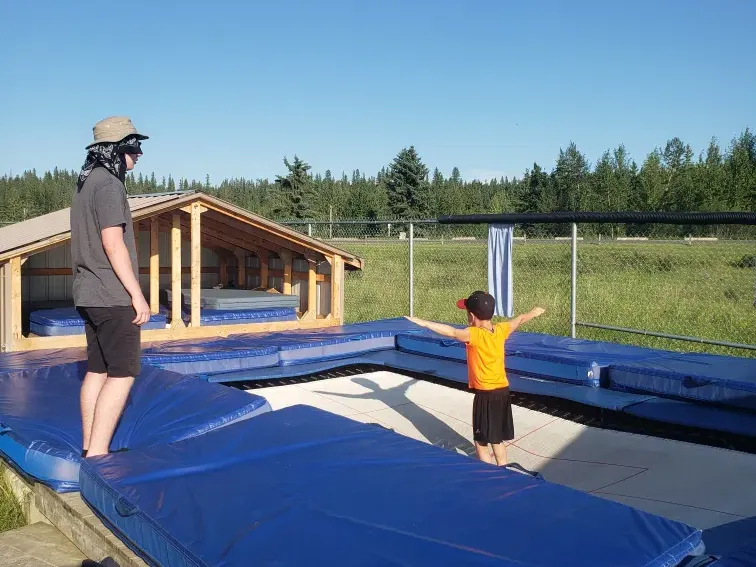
<point>428,425</point>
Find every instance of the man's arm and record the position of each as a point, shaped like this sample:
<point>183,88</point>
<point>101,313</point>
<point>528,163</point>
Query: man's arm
<point>118,254</point>
<point>524,318</point>
<point>462,335</point>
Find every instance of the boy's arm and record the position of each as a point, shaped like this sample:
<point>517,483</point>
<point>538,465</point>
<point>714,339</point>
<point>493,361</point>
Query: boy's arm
<point>462,335</point>
<point>524,318</point>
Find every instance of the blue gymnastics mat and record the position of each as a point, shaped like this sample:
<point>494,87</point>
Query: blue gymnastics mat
<point>745,556</point>
<point>41,424</point>
<point>263,350</point>
<point>724,380</point>
<point>67,321</point>
<point>558,365</point>
<point>300,486</point>
<point>211,317</point>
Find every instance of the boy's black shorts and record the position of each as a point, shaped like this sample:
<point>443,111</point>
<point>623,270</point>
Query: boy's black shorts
<point>492,416</point>
<point>113,341</point>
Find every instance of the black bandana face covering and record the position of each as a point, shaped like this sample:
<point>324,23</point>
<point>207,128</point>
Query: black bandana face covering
<point>110,156</point>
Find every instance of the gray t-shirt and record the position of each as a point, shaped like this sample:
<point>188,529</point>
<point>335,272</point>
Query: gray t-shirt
<point>100,204</point>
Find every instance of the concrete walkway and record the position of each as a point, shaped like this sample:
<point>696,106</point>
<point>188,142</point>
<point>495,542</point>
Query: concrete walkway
<point>38,545</point>
<point>701,486</point>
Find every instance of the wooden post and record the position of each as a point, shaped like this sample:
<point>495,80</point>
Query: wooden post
<point>337,271</point>
<point>176,321</point>
<point>263,255</point>
<point>196,264</point>
<point>154,266</point>
<point>286,256</point>
<point>241,268</point>
<point>15,286</point>
<point>223,270</point>
<point>312,290</point>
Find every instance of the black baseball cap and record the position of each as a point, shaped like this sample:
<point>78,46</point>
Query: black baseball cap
<point>480,304</point>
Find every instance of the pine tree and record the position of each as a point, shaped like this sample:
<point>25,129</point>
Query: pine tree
<point>294,196</point>
<point>407,185</point>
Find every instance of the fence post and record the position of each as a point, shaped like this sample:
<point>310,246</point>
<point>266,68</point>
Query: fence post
<point>411,270</point>
<point>309,229</point>
<point>573,281</point>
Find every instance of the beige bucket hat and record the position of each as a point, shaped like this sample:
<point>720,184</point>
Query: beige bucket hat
<point>114,129</point>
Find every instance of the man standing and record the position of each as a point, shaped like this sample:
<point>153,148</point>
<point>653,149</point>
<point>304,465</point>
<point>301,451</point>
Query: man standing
<point>106,288</point>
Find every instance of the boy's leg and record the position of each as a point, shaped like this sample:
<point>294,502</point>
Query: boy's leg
<point>504,427</point>
<point>119,339</point>
<point>500,453</point>
<point>482,452</point>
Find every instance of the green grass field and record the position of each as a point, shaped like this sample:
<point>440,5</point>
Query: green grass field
<point>705,290</point>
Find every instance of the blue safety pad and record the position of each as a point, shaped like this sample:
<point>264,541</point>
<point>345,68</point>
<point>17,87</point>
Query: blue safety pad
<point>725,380</point>
<point>41,422</point>
<point>31,359</point>
<point>745,556</point>
<point>321,489</point>
<point>570,368</point>
<point>262,350</point>
<point>210,317</point>
<point>67,321</point>
<point>446,370</point>
<point>695,415</point>
<point>208,356</point>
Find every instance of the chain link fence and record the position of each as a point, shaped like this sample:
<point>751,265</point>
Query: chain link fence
<point>702,287</point>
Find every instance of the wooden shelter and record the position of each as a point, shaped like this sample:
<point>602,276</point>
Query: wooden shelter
<point>186,240</point>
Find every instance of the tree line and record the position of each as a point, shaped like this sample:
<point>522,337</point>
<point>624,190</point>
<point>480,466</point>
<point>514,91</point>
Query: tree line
<point>670,178</point>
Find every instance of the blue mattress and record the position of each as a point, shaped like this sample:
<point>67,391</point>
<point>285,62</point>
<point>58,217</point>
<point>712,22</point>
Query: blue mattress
<point>550,363</point>
<point>41,423</point>
<point>315,489</point>
<point>209,356</point>
<point>67,321</point>
<point>726,380</point>
<point>263,350</point>
<point>695,415</point>
<point>210,317</point>
<point>745,556</point>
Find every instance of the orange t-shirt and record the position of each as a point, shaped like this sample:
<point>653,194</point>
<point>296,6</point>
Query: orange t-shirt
<point>485,357</point>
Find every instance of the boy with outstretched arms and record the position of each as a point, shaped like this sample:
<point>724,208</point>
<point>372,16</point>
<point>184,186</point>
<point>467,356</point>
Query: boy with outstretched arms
<point>487,377</point>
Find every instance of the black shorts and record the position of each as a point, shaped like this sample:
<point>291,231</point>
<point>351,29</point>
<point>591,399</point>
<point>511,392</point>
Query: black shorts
<point>492,416</point>
<point>113,341</point>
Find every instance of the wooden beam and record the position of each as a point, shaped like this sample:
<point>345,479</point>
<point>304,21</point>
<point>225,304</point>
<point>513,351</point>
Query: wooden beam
<point>217,238</point>
<point>241,269</point>
<point>286,256</point>
<point>159,335</point>
<point>256,236</point>
<point>263,270</point>
<point>176,298</point>
<point>223,270</point>
<point>15,286</point>
<point>154,265</point>
<point>196,264</point>
<point>312,292</point>
<point>189,208</point>
<point>6,335</point>
<point>337,274</point>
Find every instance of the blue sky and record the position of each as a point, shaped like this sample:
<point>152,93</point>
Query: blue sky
<point>230,88</point>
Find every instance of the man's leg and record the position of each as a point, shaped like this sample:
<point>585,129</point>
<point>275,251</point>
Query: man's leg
<point>108,411</point>
<point>90,391</point>
<point>120,342</point>
<point>93,381</point>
